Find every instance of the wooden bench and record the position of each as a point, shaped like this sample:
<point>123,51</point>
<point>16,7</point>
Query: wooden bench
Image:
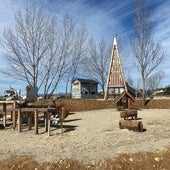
<point>129,113</point>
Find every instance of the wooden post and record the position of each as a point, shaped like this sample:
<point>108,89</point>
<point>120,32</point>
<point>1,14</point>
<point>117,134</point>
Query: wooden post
<point>36,121</point>
<point>46,121</point>
<point>129,102</point>
<point>14,114</point>
<point>29,121</point>
<point>62,118</point>
<point>49,124</point>
<point>14,107</point>
<point>4,113</point>
<point>14,117</point>
<point>19,120</point>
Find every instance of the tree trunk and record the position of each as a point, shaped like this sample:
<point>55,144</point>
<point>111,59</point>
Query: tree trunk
<point>143,91</point>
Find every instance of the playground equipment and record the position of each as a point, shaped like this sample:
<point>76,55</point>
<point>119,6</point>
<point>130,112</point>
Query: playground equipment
<point>130,124</point>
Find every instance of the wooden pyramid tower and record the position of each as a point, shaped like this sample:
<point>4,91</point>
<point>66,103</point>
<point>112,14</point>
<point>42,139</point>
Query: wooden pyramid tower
<point>115,80</point>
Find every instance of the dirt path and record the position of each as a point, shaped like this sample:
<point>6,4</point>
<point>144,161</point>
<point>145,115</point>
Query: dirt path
<point>89,136</point>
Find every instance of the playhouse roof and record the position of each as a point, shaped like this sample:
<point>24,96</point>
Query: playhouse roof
<point>85,81</point>
<point>117,99</point>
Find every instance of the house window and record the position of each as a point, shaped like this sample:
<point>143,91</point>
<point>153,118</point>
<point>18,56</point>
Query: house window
<point>76,83</point>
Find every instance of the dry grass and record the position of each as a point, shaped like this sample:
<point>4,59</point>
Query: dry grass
<point>137,161</point>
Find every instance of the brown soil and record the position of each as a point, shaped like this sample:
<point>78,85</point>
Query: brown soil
<point>137,161</point>
<point>95,140</point>
<point>91,140</point>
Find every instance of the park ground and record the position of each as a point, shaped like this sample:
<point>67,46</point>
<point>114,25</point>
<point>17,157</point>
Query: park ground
<point>91,140</point>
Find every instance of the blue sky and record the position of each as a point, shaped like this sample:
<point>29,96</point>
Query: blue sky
<point>103,18</point>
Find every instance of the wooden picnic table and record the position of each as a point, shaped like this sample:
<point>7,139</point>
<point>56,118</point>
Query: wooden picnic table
<point>17,111</point>
<point>32,112</point>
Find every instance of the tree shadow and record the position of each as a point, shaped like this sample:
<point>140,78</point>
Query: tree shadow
<point>144,130</point>
<point>148,100</point>
<point>64,128</point>
<point>139,118</point>
<point>71,120</point>
<point>68,128</point>
<point>72,113</point>
<point>7,126</point>
<point>2,127</point>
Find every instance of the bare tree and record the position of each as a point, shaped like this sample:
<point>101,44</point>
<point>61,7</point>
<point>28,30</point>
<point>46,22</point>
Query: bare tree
<point>154,80</point>
<point>77,55</point>
<point>38,48</point>
<point>60,50</point>
<point>97,62</point>
<point>129,80</point>
<point>25,45</point>
<point>147,52</point>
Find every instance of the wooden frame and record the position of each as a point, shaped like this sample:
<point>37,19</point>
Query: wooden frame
<point>115,78</point>
<point>126,102</point>
<point>31,111</point>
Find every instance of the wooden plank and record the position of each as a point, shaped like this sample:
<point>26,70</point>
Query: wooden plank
<point>46,121</point>
<point>39,109</point>
<point>33,109</point>
<point>19,120</point>
<point>7,102</point>
<point>4,113</point>
<point>29,121</point>
<point>49,123</point>
<point>63,110</point>
<point>36,121</point>
<point>14,118</point>
<point>13,106</point>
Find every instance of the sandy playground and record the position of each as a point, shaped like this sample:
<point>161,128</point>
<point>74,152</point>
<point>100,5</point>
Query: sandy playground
<point>89,137</point>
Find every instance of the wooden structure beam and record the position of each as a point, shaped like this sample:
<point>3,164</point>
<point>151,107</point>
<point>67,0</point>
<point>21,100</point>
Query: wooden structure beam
<point>31,111</point>
<point>115,79</point>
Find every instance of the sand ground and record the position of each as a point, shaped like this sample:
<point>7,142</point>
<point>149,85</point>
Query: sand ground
<point>89,136</point>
